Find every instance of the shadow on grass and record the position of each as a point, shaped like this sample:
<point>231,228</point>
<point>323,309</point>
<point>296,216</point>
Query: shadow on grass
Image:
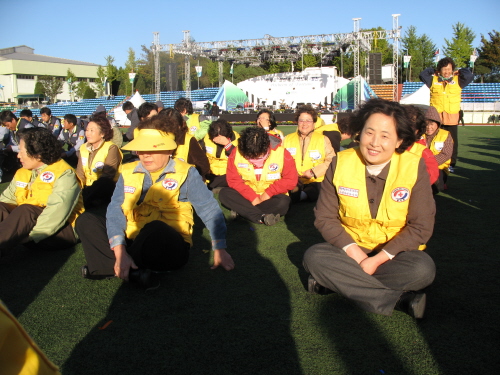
<point>200,321</point>
<point>24,273</point>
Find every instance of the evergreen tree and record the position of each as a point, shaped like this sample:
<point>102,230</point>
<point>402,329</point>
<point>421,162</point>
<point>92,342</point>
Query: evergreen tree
<point>89,93</point>
<point>487,66</point>
<point>52,86</point>
<point>420,48</point>
<point>80,89</point>
<point>459,48</point>
<point>100,82</point>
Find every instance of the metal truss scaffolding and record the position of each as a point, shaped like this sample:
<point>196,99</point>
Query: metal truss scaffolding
<point>254,52</point>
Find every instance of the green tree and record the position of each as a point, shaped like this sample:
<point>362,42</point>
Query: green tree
<point>52,86</point>
<point>420,48</point>
<point>89,93</point>
<point>459,48</point>
<point>39,90</point>
<point>487,66</point>
<point>80,89</point>
<point>71,80</point>
<point>111,70</point>
<point>100,82</point>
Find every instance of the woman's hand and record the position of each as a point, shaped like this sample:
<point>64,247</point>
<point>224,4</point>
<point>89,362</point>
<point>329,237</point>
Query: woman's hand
<point>370,264</point>
<point>222,258</point>
<point>221,140</point>
<point>123,262</point>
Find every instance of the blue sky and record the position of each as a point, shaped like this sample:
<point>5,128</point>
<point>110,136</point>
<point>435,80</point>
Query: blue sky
<point>90,30</point>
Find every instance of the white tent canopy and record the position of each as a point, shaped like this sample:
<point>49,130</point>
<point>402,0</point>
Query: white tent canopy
<point>121,116</point>
<point>421,96</point>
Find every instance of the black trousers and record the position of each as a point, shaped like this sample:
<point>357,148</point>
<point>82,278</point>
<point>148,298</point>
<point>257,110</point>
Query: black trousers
<point>99,193</point>
<point>16,223</point>
<point>378,293</point>
<point>453,129</point>
<point>158,246</point>
<point>278,204</point>
<point>215,181</point>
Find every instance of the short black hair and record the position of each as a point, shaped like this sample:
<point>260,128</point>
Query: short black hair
<point>306,109</point>
<point>41,144</point>
<point>344,124</point>
<point>395,110</point>
<point>127,106</point>
<point>7,116</point>
<point>70,118</point>
<point>46,110</point>
<point>184,104</point>
<point>220,127</point>
<point>168,121</point>
<point>145,109</point>
<point>272,119</point>
<point>417,119</point>
<point>26,113</point>
<point>445,62</point>
<point>253,142</point>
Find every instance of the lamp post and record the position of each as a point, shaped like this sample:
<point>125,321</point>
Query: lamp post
<point>131,76</point>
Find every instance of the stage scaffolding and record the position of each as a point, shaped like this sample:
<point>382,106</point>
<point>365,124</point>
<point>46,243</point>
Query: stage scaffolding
<point>278,49</point>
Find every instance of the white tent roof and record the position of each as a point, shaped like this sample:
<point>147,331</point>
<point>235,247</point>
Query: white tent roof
<point>421,96</point>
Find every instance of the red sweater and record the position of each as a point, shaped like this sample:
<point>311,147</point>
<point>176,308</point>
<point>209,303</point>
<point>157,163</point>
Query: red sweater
<point>289,178</point>
<point>430,162</point>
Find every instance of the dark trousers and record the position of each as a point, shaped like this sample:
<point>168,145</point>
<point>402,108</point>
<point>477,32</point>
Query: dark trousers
<point>312,191</point>
<point>453,129</point>
<point>378,293</point>
<point>439,185</point>
<point>16,223</point>
<point>215,181</point>
<point>99,193</point>
<point>158,246</point>
<point>278,204</point>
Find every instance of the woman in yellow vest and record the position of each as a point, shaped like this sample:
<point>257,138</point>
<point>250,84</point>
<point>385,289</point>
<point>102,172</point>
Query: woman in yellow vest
<point>376,212</point>
<point>440,142</point>
<point>267,121</point>
<point>312,153</point>
<point>149,222</point>
<point>41,204</point>
<point>218,145</point>
<point>188,148</point>
<point>446,84</point>
<point>197,124</point>
<point>259,174</point>
<point>99,163</point>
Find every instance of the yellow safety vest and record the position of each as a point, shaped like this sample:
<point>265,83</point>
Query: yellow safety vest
<point>182,151</point>
<point>437,145</point>
<point>354,212</point>
<point>41,188</point>
<point>319,123</point>
<point>193,123</point>
<point>446,98</point>
<point>93,173</point>
<point>327,128</point>
<point>314,155</point>
<point>417,149</point>
<point>271,171</point>
<point>218,165</point>
<point>160,203</point>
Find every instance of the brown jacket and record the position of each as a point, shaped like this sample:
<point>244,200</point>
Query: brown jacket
<point>419,221</point>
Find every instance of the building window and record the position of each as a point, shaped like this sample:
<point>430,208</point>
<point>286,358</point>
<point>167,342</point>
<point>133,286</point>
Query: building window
<point>91,79</point>
<point>24,76</point>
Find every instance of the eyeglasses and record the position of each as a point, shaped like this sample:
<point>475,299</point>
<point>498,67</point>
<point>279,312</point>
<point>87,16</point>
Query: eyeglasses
<point>305,121</point>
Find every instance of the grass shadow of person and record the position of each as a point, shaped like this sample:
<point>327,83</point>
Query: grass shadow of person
<point>200,320</point>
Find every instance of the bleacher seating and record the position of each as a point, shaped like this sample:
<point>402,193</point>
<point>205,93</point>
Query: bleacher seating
<point>383,91</point>
<point>88,106</point>
<point>472,93</point>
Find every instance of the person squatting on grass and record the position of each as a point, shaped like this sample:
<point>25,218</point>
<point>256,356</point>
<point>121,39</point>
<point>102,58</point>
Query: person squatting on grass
<point>149,222</point>
<point>99,162</point>
<point>376,212</point>
<point>312,152</point>
<point>218,145</point>
<point>440,142</point>
<point>41,204</point>
<point>259,174</point>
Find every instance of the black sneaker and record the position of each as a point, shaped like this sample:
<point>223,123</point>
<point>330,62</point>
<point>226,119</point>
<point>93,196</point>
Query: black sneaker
<point>314,287</point>
<point>87,275</point>
<point>412,303</point>
<point>144,278</point>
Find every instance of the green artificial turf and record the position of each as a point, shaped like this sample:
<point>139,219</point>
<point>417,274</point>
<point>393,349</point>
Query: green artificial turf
<point>259,318</point>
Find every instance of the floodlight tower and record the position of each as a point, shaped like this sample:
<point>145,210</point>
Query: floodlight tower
<point>357,90</point>
<point>395,56</point>
<point>156,55</point>
<point>187,64</point>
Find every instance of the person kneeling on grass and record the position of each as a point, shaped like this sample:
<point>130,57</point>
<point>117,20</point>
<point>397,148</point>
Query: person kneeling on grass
<point>376,212</point>
<point>149,222</point>
<point>41,204</point>
<point>259,174</point>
